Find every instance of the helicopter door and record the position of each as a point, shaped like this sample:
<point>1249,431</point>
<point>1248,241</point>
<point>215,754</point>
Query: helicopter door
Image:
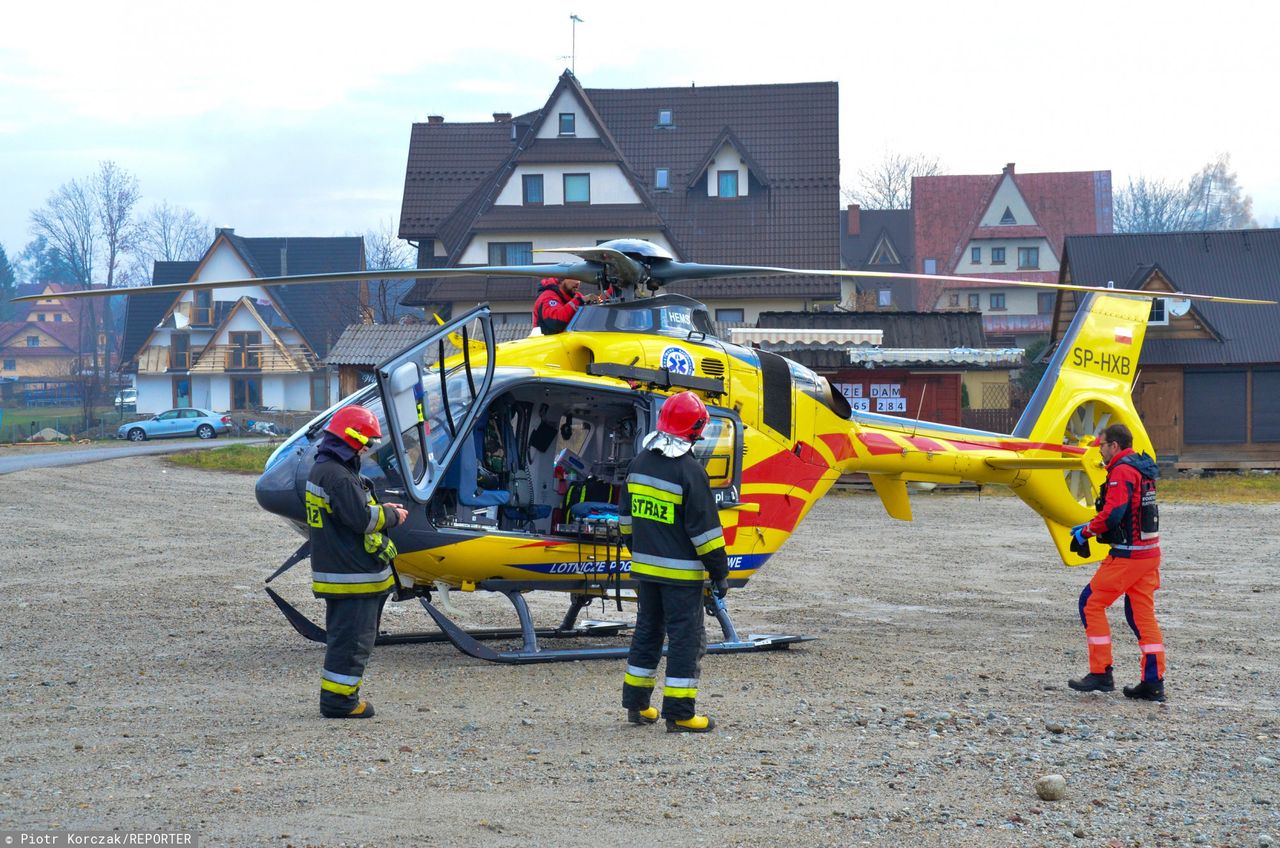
<point>432,394</point>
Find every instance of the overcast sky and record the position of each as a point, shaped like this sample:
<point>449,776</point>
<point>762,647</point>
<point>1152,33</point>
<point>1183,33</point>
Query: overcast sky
<point>283,118</point>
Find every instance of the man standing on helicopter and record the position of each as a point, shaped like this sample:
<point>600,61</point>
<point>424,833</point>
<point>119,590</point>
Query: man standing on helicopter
<point>669,518</point>
<point>351,557</point>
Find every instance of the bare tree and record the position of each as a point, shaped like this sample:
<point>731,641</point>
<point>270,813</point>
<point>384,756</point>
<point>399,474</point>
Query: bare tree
<point>1151,206</point>
<point>1215,199</point>
<point>1211,200</point>
<point>384,251</point>
<point>116,193</point>
<point>887,185</point>
<point>173,234</point>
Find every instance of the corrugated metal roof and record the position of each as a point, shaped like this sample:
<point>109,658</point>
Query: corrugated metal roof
<point>992,357</point>
<point>373,344</point>
<point>810,336</point>
<point>1232,263</point>
<point>901,329</point>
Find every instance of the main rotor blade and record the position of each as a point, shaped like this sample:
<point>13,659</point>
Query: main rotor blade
<point>585,271</point>
<point>671,271</point>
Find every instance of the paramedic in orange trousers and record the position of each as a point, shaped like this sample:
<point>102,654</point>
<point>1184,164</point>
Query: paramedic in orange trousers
<point>1129,522</point>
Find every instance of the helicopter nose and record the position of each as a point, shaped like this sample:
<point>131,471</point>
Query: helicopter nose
<point>280,488</point>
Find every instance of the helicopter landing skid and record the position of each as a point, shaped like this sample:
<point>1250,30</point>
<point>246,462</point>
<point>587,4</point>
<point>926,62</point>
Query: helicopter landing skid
<point>567,630</point>
<point>530,652</point>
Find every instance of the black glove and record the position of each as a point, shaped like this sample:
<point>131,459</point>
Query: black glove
<point>720,587</point>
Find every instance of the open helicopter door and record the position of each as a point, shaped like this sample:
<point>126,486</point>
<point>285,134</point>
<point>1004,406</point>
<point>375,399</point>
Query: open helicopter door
<point>432,394</point>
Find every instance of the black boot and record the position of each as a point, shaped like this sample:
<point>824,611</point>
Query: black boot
<point>648,715</point>
<point>1093,682</point>
<point>1147,690</point>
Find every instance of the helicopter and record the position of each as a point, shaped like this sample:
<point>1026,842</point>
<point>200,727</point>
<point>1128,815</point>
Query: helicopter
<point>511,457</point>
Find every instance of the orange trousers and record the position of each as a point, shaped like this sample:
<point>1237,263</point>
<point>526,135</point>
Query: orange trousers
<point>1137,580</point>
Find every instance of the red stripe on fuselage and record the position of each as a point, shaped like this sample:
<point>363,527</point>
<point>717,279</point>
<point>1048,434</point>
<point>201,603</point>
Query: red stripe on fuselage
<point>840,444</point>
<point>786,467</point>
<point>777,512</point>
<point>879,444</point>
<point>925,444</point>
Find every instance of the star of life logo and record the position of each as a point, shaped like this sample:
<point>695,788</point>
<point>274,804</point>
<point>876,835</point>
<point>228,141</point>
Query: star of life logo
<point>677,361</point>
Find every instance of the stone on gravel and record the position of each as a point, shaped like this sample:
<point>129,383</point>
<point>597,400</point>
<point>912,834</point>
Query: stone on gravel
<point>1051,787</point>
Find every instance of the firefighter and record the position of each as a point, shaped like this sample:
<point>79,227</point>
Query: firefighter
<point>670,519</point>
<point>1128,520</point>
<point>351,557</point>
<point>558,301</point>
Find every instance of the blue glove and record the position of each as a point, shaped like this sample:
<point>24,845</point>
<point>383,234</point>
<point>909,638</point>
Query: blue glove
<point>1077,533</point>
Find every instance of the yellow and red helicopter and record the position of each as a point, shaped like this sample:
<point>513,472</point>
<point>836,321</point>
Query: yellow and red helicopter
<point>510,456</point>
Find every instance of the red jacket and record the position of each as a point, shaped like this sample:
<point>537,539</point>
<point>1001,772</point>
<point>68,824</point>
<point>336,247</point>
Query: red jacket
<point>551,311</point>
<point>1120,517</point>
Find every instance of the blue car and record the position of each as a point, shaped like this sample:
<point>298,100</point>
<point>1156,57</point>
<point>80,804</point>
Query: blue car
<point>176,422</point>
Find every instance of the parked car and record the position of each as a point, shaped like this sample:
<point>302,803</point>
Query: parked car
<point>126,400</point>
<point>177,422</point>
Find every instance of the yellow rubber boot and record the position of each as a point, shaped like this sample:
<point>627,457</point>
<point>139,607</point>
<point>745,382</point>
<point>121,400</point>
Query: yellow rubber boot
<point>697,724</point>
<point>648,715</point>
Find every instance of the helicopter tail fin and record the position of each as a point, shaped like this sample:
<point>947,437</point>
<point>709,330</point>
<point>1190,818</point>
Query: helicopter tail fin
<point>1086,388</point>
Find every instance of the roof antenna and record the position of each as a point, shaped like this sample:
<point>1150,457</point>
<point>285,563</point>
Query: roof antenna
<point>573,45</point>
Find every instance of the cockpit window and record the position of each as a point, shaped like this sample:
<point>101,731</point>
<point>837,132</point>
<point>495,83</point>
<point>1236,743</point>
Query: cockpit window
<point>678,318</point>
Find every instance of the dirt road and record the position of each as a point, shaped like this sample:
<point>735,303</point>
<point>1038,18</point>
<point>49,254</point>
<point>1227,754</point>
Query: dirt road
<point>148,682</point>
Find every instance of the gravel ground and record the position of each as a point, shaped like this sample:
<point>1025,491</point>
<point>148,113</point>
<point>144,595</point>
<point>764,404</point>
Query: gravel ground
<point>149,683</point>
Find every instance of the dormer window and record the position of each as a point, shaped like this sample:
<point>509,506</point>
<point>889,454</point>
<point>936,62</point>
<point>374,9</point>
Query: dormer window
<point>662,179</point>
<point>728,184</point>
<point>664,118</point>
<point>1007,219</point>
<point>568,123</point>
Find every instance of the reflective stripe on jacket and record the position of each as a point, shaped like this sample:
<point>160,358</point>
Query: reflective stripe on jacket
<point>351,556</point>
<point>670,519</point>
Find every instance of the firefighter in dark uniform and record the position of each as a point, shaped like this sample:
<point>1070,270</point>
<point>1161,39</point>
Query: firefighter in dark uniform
<point>351,557</point>
<point>1128,520</point>
<point>670,519</point>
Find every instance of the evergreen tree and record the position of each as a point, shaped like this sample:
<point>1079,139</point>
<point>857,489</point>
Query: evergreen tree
<point>8,285</point>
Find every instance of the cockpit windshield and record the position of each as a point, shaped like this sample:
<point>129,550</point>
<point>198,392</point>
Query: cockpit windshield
<point>666,315</point>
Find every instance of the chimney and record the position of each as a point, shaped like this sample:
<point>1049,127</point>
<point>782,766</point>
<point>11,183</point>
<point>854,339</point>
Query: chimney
<point>501,117</point>
<point>435,119</point>
<point>230,231</point>
<point>1008,169</point>
<point>855,219</point>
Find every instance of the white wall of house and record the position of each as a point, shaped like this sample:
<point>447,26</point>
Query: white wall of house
<point>1008,197</point>
<point>567,102</point>
<point>608,184</point>
<point>296,392</point>
<point>727,159</point>
<point>1017,301</point>
<point>477,252</point>
<point>155,393</point>
<point>966,265</point>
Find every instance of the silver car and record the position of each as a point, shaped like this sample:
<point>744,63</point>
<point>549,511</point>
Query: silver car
<point>176,422</point>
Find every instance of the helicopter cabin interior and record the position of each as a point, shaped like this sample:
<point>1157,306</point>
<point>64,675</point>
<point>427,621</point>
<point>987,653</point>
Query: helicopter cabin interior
<point>551,460</point>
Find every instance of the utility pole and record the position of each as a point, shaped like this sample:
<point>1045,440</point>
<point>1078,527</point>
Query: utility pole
<point>573,44</point>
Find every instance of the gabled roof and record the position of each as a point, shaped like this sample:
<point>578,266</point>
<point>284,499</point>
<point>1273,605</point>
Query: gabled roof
<point>790,132</point>
<point>67,334</point>
<point>372,344</point>
<point>946,210</point>
<point>144,311</point>
<point>874,227</point>
<point>727,136</point>
<point>318,314</point>
<point>1233,263</point>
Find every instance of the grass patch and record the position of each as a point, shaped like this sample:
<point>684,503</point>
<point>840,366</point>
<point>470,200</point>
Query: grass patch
<point>238,459</point>
<point>1220,488</point>
<point>1212,488</point>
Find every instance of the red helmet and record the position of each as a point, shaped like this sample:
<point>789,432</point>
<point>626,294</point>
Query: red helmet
<point>355,425</point>
<point>684,416</point>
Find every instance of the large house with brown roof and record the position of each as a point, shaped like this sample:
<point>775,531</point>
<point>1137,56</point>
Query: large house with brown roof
<point>245,348</point>
<point>1002,225</point>
<point>720,174</point>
